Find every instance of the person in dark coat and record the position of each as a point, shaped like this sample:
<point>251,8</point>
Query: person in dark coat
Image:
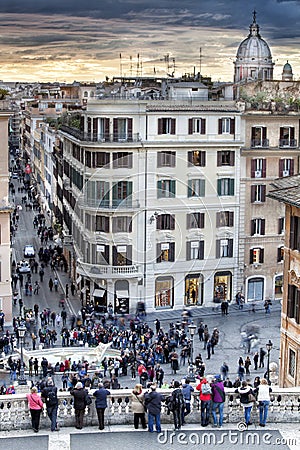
<point>101,403</point>
<point>153,401</point>
<point>49,393</point>
<point>80,395</point>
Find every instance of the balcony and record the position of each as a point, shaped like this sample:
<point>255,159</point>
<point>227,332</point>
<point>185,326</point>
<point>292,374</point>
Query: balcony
<point>108,271</point>
<point>127,203</point>
<point>15,415</point>
<point>288,143</point>
<point>101,137</point>
<point>259,143</point>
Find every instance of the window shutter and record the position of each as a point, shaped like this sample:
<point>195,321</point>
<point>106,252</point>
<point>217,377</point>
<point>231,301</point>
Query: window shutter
<point>106,129</point>
<point>292,167</point>
<point>231,186</point>
<point>202,220</point>
<point>173,124</point>
<point>190,159</point>
<point>253,168</point>
<point>253,133</point>
<point>172,222</point>
<point>202,188</point>
<point>232,126</point>
<point>173,188</point>
<point>188,251</point>
<point>279,254</point>
<point>160,126</point>
<point>106,253</point>
<point>292,133</point>
<point>263,226</point>
<point>281,133</point>
<point>264,168</point>
<point>129,255</point>
<point>172,159</point>
<point>107,224</point>
<point>261,255</point>
<point>89,125</point>
<point>95,128</point>
<point>158,222</point>
<point>281,163</point>
<point>190,191</point>
<point>251,256</point>
<point>203,126</point>
<point>231,162</point>
<point>203,159</point>
<point>115,256</point>
<point>218,219</point>
<point>115,129</point>
<point>81,123</point>
<point>230,248</point>
<point>220,126</point>
<point>201,250</point>
<point>219,186</point>
<point>158,253</point>
<point>219,159</point>
<point>297,312</point>
<point>264,133</point>
<point>190,126</point>
<point>129,128</point>
<point>218,248</point>
<point>129,159</point>
<point>159,191</point>
<point>231,217</point>
<point>253,192</point>
<point>290,301</point>
<point>292,233</point>
<point>159,159</point>
<point>172,251</point>
<point>263,193</point>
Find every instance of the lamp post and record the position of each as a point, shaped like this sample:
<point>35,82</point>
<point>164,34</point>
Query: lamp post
<point>22,379</point>
<point>192,329</point>
<point>269,346</point>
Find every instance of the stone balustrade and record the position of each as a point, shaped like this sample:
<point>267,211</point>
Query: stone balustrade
<point>14,412</point>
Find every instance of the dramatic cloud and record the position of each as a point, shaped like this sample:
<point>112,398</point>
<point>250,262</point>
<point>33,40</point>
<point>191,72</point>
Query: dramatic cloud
<point>53,40</point>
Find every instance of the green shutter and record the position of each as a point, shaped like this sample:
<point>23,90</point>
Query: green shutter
<point>219,185</point>
<point>172,188</point>
<point>159,192</point>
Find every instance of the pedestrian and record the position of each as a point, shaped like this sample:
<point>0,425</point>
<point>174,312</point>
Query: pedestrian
<point>41,273</point>
<point>177,405</point>
<point>49,394</point>
<point>246,398</point>
<point>73,288</point>
<point>50,284</point>
<point>205,397</point>
<point>255,360</point>
<point>241,371</point>
<point>218,399</point>
<point>263,398</point>
<point>187,390</point>
<point>55,282</point>
<point>80,396</point>
<point>36,288</point>
<point>159,375</point>
<point>101,395</point>
<point>267,305</point>
<point>138,406</point>
<point>153,401</point>
<point>67,290</point>
<point>35,405</point>
<point>224,369</point>
<point>247,365</point>
<point>36,367</point>
<point>262,354</point>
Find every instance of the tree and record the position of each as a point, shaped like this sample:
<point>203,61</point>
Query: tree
<point>3,93</point>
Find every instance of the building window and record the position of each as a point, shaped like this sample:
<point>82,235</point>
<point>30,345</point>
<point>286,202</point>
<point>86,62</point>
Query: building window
<point>101,159</point>
<point>122,194</point>
<point>287,137</point>
<point>225,158</point>
<point>292,363</point>
<point>166,189</point>
<point>194,289</point>
<point>256,255</point>
<point>222,286</point>
<point>258,193</point>
<point>164,292</point>
<point>255,289</point>
<point>195,220</point>
<point>258,168</point>
<point>194,250</point>
<point>196,188</point>
<point>278,286</point>
<point>286,167</point>
<point>122,224</point>
<point>258,227</point>
<point>97,194</point>
<point>259,137</point>
<point>295,233</point>
<point>166,125</point>
<point>224,248</point>
<point>102,224</point>
<point>226,126</point>
<point>281,225</point>
<point>293,303</point>
<point>197,158</point>
<point>165,222</point>
<point>122,159</point>
<point>166,159</point>
<point>280,254</point>
<point>122,129</point>
<point>102,254</point>
<point>225,219</point>
<point>165,252</point>
<point>197,126</point>
<point>122,255</point>
<point>226,186</point>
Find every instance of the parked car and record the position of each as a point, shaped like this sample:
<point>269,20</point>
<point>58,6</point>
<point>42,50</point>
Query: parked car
<point>23,267</point>
<point>29,251</point>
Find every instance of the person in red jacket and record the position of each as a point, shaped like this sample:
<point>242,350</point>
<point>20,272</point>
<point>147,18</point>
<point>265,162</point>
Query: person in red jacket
<point>35,405</point>
<point>205,397</point>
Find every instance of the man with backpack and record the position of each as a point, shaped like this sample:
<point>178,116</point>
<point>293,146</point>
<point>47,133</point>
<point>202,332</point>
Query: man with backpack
<point>176,405</point>
<point>205,398</point>
<point>49,395</point>
<point>218,399</point>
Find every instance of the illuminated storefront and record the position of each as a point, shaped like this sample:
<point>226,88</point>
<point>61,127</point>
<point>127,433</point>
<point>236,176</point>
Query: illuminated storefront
<point>222,286</point>
<point>164,292</point>
<point>193,289</point>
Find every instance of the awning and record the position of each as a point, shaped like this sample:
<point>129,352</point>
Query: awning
<point>78,279</point>
<point>122,294</point>
<point>99,293</point>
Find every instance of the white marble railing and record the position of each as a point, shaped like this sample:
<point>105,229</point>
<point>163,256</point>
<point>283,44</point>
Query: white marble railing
<point>14,412</point>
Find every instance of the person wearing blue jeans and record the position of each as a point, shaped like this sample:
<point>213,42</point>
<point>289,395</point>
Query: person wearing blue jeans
<point>263,412</point>
<point>153,401</point>
<point>218,399</point>
<point>216,406</point>
<point>151,419</point>
<point>246,398</point>
<point>263,396</point>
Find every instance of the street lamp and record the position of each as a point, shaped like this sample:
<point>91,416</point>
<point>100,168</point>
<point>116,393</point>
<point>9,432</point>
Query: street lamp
<point>269,346</point>
<point>22,379</point>
<point>192,329</point>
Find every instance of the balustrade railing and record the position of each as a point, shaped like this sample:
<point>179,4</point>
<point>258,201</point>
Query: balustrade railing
<point>14,413</point>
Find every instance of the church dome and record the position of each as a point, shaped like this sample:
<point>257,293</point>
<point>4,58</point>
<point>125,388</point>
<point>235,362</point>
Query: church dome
<point>287,72</point>
<point>254,58</point>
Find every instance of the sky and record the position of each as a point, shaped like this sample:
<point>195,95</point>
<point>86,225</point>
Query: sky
<point>67,40</point>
